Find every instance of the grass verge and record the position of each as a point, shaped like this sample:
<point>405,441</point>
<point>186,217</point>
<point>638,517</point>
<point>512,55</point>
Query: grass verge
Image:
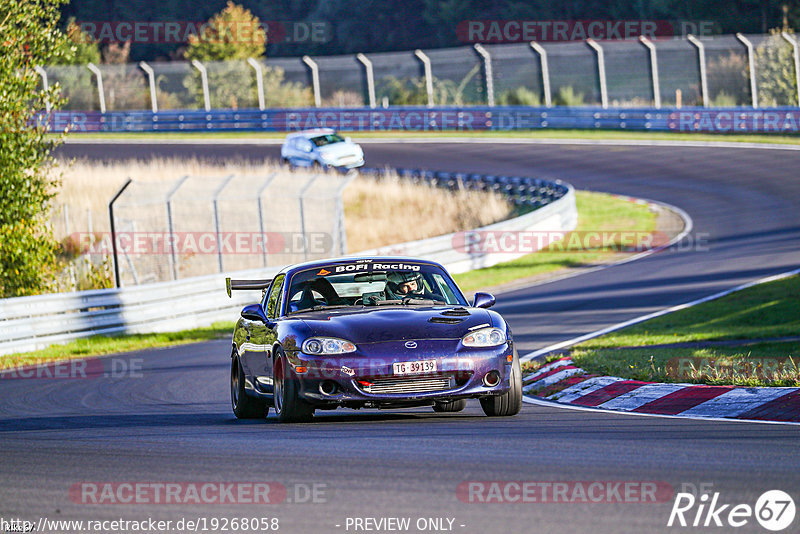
<point>759,314</point>
<point>99,345</point>
<point>597,212</point>
<point>516,134</point>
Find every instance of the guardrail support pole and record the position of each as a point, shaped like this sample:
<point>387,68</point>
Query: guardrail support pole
<point>45,85</point>
<point>370,78</point>
<point>341,231</point>
<point>314,79</point>
<point>601,71</point>
<point>539,49</point>
<point>259,82</point>
<point>701,58</point>
<point>151,77</point>
<point>100,94</point>
<point>653,70</point>
<point>426,65</point>
<point>751,63</point>
<point>303,215</point>
<point>113,227</point>
<point>173,259</point>
<point>796,52</point>
<point>261,214</point>
<point>204,80</point>
<point>487,72</point>
<point>216,220</point>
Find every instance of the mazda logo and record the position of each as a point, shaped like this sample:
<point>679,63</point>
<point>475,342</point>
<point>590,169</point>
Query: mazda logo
<point>411,344</point>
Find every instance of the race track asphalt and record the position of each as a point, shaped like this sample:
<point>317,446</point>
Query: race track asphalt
<point>172,422</point>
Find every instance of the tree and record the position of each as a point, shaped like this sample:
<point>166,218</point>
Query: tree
<point>29,36</point>
<point>233,33</point>
<point>775,72</point>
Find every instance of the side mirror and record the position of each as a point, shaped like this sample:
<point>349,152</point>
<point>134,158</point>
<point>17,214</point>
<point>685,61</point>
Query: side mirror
<point>483,300</point>
<point>254,312</point>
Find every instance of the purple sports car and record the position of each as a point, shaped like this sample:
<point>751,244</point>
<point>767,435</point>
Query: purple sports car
<point>369,332</point>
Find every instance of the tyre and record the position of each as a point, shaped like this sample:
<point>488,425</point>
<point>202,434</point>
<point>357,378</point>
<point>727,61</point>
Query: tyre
<point>510,402</point>
<point>244,406</point>
<point>451,406</point>
<point>289,407</point>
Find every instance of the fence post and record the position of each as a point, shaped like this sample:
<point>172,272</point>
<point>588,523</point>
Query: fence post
<point>314,79</point>
<point>341,230</point>
<point>259,82</point>
<point>261,213</point>
<point>204,80</point>
<point>303,215</point>
<point>173,259</point>
<point>601,71</point>
<point>796,52</point>
<point>487,72</point>
<point>751,63</point>
<point>45,85</point>
<point>112,225</point>
<point>426,65</point>
<point>539,49</point>
<point>653,69</point>
<point>100,94</point>
<point>701,58</point>
<point>151,76</point>
<point>216,220</point>
<point>370,78</point>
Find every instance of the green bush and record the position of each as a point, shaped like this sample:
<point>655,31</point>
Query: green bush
<point>775,72</point>
<point>567,96</point>
<point>520,96</point>
<point>723,100</point>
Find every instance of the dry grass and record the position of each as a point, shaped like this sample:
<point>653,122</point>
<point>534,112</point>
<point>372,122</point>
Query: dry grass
<point>377,213</point>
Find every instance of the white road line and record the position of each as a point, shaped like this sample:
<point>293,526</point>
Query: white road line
<point>642,318</point>
<point>584,388</point>
<point>737,401</point>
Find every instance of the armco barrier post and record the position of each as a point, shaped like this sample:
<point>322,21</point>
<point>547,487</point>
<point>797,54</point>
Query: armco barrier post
<point>314,79</point>
<point>114,259</point>
<point>539,49</point>
<point>204,80</point>
<point>370,78</point>
<point>340,230</point>
<point>701,59</point>
<point>751,63</point>
<point>426,65</point>
<point>796,53</point>
<point>303,215</point>
<point>45,85</point>
<point>173,259</point>
<point>651,47</point>
<point>100,94</point>
<point>601,71</point>
<point>487,73</point>
<point>259,82</point>
<point>151,77</point>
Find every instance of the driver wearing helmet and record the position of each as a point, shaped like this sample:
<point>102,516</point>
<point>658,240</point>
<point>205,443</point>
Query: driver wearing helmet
<point>400,285</point>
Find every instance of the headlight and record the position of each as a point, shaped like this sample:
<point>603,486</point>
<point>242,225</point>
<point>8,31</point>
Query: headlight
<point>485,337</point>
<point>327,345</point>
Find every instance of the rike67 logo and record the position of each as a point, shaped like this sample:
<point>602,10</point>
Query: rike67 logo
<point>774,510</point>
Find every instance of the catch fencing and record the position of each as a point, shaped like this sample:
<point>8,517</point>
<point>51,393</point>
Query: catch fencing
<point>719,71</point>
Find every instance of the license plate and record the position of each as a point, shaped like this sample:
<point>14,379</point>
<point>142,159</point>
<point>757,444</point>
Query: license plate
<point>413,368</point>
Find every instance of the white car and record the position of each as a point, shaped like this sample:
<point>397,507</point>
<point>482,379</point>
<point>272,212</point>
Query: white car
<point>323,147</point>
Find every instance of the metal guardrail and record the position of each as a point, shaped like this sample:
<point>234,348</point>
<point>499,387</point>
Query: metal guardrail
<point>426,119</point>
<point>31,323</point>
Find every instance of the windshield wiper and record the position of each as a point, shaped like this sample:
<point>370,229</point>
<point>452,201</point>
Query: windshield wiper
<point>320,307</point>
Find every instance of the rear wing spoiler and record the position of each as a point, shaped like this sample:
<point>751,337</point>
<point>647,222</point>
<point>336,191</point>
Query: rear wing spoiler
<point>237,285</point>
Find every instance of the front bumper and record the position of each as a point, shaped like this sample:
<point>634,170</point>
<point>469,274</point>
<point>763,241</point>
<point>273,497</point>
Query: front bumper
<point>360,380</point>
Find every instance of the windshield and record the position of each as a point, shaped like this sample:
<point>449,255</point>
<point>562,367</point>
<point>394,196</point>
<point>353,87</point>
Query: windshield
<point>328,139</point>
<point>372,284</point>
